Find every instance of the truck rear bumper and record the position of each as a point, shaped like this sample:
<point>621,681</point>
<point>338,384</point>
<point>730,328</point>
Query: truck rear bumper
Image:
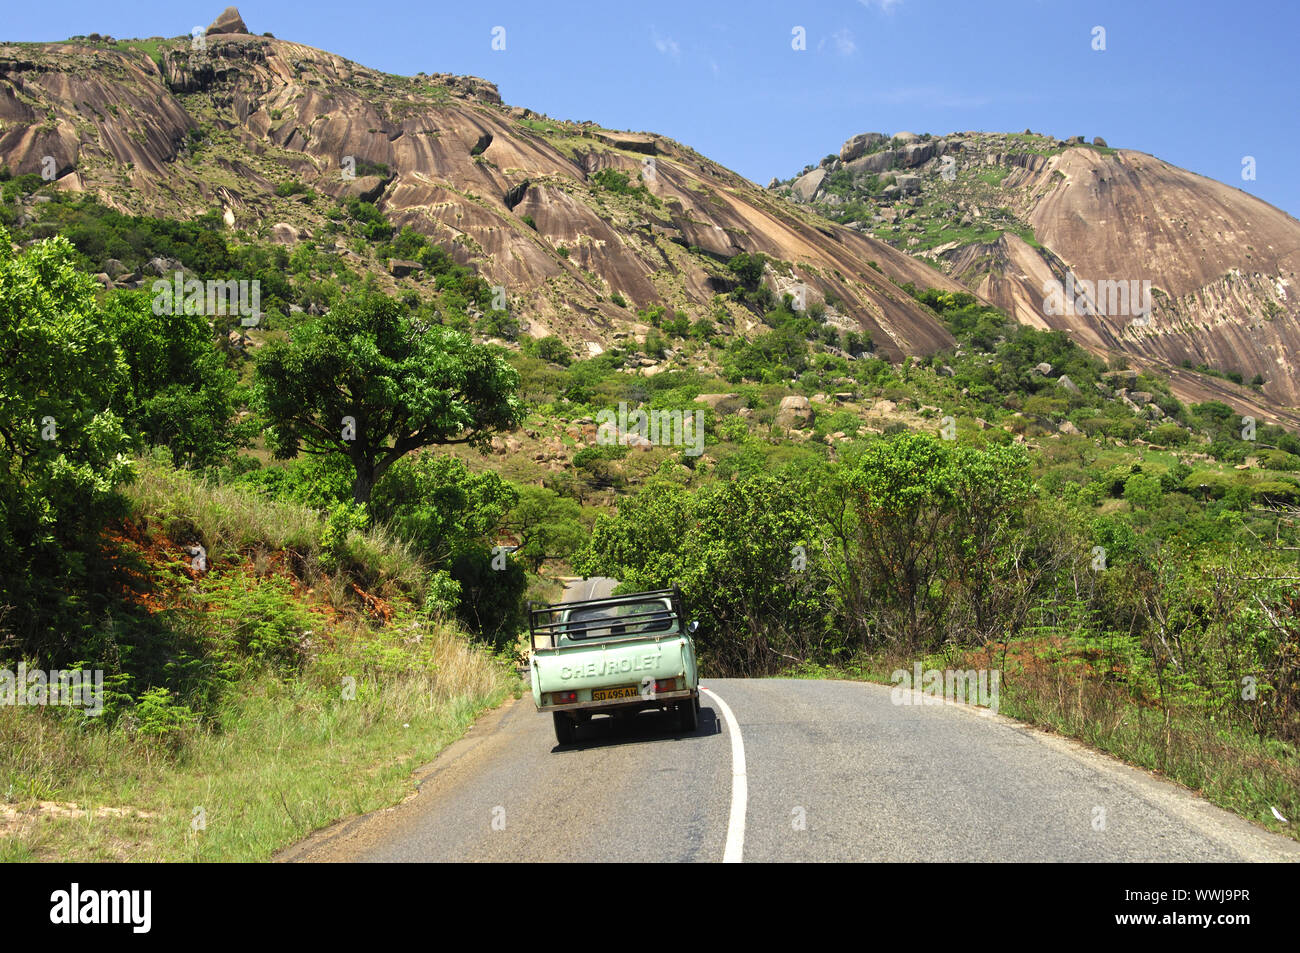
<point>659,699</point>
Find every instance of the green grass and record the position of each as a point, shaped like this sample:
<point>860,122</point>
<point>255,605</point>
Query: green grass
<point>293,757</point>
<point>152,48</point>
<point>269,691</point>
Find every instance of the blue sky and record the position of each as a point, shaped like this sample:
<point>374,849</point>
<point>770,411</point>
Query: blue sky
<point>1198,83</point>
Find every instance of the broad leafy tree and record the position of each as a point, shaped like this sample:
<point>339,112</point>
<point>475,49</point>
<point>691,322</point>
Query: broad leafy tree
<point>371,382</point>
<point>62,449</point>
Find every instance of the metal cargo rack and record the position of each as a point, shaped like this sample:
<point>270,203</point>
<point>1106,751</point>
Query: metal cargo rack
<point>543,620</point>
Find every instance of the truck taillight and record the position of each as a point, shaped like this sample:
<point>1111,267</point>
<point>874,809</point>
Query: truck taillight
<point>665,685</point>
<point>563,698</point>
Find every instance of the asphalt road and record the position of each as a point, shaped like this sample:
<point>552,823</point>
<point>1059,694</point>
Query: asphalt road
<point>809,771</point>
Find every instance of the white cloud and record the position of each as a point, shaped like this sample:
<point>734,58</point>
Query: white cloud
<point>665,44</point>
<point>884,6</point>
<point>841,41</point>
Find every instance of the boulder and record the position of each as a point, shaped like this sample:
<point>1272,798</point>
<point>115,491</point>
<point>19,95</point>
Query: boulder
<point>794,412</point>
<point>806,186</point>
<point>876,162</point>
<point>1064,381</point>
<point>401,267</point>
<point>905,137</point>
<point>913,155</point>
<point>1043,368</point>
<point>859,145</point>
<point>713,401</point>
<point>282,233</point>
<point>1069,428</point>
<point>162,266</point>
<point>1099,141</point>
<point>908,184</point>
<point>229,22</point>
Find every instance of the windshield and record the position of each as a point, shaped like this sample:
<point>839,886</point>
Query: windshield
<point>626,620</point>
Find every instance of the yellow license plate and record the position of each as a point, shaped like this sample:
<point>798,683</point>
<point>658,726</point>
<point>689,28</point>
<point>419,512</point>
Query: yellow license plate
<point>609,694</point>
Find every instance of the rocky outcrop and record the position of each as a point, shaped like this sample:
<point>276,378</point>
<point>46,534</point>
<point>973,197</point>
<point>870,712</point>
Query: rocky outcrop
<point>1223,266</point>
<point>860,145</point>
<point>441,154</point>
<point>229,22</point>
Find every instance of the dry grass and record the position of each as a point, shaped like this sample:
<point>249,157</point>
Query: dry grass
<point>278,753</point>
<point>234,521</point>
<point>287,759</point>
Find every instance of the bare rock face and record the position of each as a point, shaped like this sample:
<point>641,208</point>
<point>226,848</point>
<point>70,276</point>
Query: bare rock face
<point>502,190</point>
<point>1222,265</point>
<point>229,22</point>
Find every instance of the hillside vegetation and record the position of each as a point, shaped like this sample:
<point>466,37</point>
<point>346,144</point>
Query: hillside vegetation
<point>299,543</point>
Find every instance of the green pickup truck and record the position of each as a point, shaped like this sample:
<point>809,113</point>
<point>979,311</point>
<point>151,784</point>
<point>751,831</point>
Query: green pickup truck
<point>614,656</point>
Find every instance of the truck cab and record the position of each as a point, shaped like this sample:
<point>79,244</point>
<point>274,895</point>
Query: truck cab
<point>614,656</point>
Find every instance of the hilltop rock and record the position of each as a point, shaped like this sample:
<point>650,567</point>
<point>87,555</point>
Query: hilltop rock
<point>229,22</point>
<point>859,145</point>
<point>1050,201</point>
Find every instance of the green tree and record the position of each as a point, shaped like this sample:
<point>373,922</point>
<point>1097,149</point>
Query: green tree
<point>547,525</point>
<point>177,391</point>
<point>370,382</point>
<point>745,554</point>
<point>64,453</point>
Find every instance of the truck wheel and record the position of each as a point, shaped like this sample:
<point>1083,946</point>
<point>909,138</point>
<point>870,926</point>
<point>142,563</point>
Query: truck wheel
<point>566,730</point>
<point>688,714</point>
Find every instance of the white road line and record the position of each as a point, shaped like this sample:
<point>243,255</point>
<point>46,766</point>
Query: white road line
<point>735,849</point>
